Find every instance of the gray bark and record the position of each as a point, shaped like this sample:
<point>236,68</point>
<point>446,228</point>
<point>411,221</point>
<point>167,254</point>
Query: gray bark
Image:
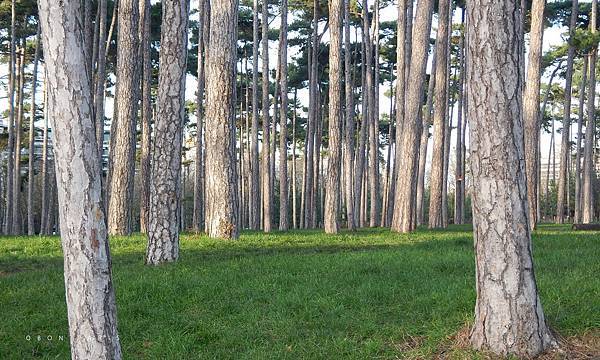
<point>146,114</point>
<point>18,133</point>
<point>7,225</point>
<point>254,188</point>
<point>373,55</point>
<point>165,180</point>
<point>90,293</point>
<point>199,173</point>
<point>33,108</point>
<point>100,78</point>
<point>267,194</point>
<point>582,85</point>
<point>459,175</point>
<point>283,147</point>
<point>508,314</point>
<point>221,177</point>
<point>348,150</point>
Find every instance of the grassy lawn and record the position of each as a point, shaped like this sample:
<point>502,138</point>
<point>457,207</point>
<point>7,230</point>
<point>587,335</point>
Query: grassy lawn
<point>370,294</point>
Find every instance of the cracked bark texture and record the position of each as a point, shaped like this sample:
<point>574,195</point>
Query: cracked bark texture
<point>90,293</point>
<point>146,114</point>
<point>565,147</point>
<point>165,180</point>
<point>508,314</point>
<point>531,106</point>
<point>404,219</point>
<point>332,194</point>
<point>120,197</point>
<point>221,177</point>
<point>439,119</point>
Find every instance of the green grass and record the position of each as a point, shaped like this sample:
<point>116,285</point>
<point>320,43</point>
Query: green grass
<point>370,294</point>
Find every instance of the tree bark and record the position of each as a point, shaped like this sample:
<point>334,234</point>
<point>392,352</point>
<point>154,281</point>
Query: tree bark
<point>373,77</point>
<point>90,292</point>
<point>439,118</point>
<point>120,197</point>
<point>348,144</point>
<point>587,188</point>
<point>100,78</point>
<point>459,177</point>
<point>267,194</point>
<point>582,85</point>
<point>146,114</point>
<point>284,222</point>
<point>221,177</point>
<point>531,106</point>
<point>18,131</point>
<point>165,180</point>
<point>404,219</point>
<point>7,225</point>
<point>33,108</point>
<point>509,320</point>
<point>45,184</point>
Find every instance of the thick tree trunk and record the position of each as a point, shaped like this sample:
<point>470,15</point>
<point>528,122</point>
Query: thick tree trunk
<point>332,195</point>
<point>439,119</point>
<point>221,177</point>
<point>165,180</point>
<point>33,108</point>
<point>120,198</point>
<point>587,188</point>
<point>90,293</point>
<point>267,195</point>
<point>531,106</point>
<point>404,219</point>
<point>284,222</point>
<point>146,114</point>
<point>565,146</point>
<point>582,85</point>
<point>508,314</point>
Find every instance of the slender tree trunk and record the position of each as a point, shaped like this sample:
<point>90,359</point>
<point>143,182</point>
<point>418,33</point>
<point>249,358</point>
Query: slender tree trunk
<point>18,130</point>
<point>254,163</point>
<point>348,144</point>
<point>587,188</point>
<point>165,180</point>
<point>45,182</point>
<point>404,219</point>
<point>90,293</point>
<point>100,78</point>
<point>267,194</point>
<point>199,173</point>
<point>8,215</point>
<point>459,175</point>
<point>283,146</point>
<point>373,88</point>
<point>439,119</point>
<point>582,85</point>
<point>120,197</point>
<point>508,314</point>
<point>332,195</point>
<point>33,108</point>
<point>221,196</point>
<point>146,114</point>
<point>294,192</point>
<point>531,106</point>
<point>565,147</point>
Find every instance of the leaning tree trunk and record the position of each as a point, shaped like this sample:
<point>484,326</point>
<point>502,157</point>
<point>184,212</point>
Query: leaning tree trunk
<point>33,108</point>
<point>404,218</point>
<point>587,188</point>
<point>332,195</point>
<point>120,198</point>
<point>531,106</point>
<point>508,314</point>
<point>565,145</point>
<point>165,179</point>
<point>439,119</point>
<point>146,114</point>
<point>284,222</point>
<point>89,289</point>
<point>221,177</point>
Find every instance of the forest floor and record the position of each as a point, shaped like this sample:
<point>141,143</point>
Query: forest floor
<point>297,295</point>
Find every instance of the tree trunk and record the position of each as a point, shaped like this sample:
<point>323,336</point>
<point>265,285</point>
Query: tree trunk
<point>146,114</point>
<point>404,219</point>
<point>459,175</point>
<point>294,192</point>
<point>8,217</point>
<point>587,203</point>
<point>439,119</point>
<point>254,163</point>
<point>373,76</point>
<point>90,293</point>
<point>267,194</point>
<point>100,78</point>
<point>165,180</point>
<point>283,147</point>
<point>565,146</point>
<point>332,195</point>
<point>582,85</point>
<point>33,108</point>
<point>120,197</point>
<point>199,172</point>
<point>18,130</point>
<point>508,314</point>
<point>221,195</point>
<point>348,144</point>
<point>531,106</point>
<point>45,183</point>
